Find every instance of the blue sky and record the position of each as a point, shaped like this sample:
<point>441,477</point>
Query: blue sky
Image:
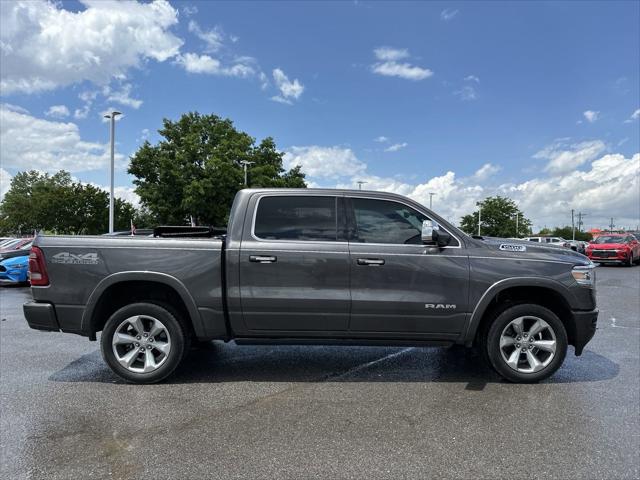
<point>535,100</point>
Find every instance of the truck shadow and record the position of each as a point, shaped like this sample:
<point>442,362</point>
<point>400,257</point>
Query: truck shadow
<point>219,362</point>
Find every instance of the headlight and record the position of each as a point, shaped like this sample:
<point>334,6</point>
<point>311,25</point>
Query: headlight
<point>585,275</point>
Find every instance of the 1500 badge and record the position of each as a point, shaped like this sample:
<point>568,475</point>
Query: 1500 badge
<point>75,258</point>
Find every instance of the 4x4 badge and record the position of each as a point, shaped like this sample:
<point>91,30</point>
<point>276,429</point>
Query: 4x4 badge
<point>75,258</point>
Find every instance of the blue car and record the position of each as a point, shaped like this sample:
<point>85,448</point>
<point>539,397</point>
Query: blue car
<point>14,270</point>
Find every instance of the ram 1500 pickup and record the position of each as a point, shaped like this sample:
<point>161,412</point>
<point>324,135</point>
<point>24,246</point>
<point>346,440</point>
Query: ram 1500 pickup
<point>314,266</point>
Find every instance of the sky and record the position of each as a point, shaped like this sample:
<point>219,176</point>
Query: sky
<point>537,101</point>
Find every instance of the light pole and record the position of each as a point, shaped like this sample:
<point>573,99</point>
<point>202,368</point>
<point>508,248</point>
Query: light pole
<point>112,117</point>
<point>245,164</point>
<point>360,183</point>
<point>479,204</point>
<point>517,213</point>
<point>431,194</point>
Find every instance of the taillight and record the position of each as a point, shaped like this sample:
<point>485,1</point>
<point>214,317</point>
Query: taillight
<point>37,268</point>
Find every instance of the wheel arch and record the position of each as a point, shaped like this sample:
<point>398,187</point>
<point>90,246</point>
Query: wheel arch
<point>540,291</point>
<point>123,288</point>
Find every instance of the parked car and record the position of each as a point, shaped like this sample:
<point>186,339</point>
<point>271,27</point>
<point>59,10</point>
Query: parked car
<point>315,266</point>
<point>15,244</point>
<point>578,246</point>
<point>14,270</point>
<point>622,248</point>
<point>555,241</point>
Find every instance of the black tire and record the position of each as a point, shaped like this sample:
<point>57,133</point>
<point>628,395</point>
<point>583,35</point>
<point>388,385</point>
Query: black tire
<point>503,318</point>
<point>178,333</point>
<point>630,261</point>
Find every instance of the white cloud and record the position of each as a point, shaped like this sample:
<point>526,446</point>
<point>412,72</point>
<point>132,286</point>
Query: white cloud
<point>395,147</point>
<point>195,63</point>
<point>44,46</point>
<point>381,139</point>
<point>471,78</point>
<point>486,171</point>
<point>27,142</point>
<point>189,10</point>
<point>324,162</point>
<point>466,93</point>
<point>57,111</point>
<point>122,96</point>
<point>565,158</point>
<point>610,183</point>
<point>390,54</point>
<point>5,182</point>
<point>448,14</point>
<point>213,39</point>
<point>634,116</point>
<point>591,116</point>
<point>289,91</point>
<point>389,66</point>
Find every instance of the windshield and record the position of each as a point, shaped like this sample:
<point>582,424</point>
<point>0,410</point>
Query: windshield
<point>609,239</point>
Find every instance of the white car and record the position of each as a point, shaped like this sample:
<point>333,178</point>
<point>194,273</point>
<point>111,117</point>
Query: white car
<point>557,241</point>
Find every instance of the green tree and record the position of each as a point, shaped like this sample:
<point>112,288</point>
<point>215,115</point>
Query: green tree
<point>195,171</point>
<point>567,233</point>
<point>498,219</point>
<point>40,201</point>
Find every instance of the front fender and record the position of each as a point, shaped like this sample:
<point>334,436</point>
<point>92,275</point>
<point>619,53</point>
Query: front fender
<point>502,285</point>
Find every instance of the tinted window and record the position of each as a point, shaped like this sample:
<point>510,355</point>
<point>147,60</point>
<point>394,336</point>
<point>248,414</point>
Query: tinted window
<point>296,218</point>
<point>382,221</point>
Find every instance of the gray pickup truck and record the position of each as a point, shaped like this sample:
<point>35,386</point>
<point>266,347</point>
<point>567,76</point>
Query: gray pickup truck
<point>314,266</point>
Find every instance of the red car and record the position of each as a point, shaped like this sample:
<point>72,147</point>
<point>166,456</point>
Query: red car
<point>620,248</point>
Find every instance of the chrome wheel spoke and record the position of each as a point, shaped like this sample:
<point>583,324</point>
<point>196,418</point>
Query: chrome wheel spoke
<point>533,361</point>
<point>536,328</point>
<point>163,347</point>
<point>156,329</point>
<point>506,341</point>
<point>149,361</point>
<point>546,345</point>
<point>136,322</point>
<point>517,326</point>
<point>128,359</point>
<point>123,339</point>
<point>514,358</point>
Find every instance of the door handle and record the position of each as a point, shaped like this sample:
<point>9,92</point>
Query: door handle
<point>372,262</point>
<point>262,259</point>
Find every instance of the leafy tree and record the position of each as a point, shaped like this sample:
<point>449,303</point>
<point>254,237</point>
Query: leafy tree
<point>40,201</point>
<point>498,219</point>
<point>195,170</point>
<point>567,234</point>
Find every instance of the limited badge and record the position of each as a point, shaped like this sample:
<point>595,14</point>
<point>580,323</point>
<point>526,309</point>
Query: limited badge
<point>509,247</point>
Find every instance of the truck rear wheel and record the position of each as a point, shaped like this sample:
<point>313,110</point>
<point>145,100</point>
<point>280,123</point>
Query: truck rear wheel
<point>144,342</point>
<point>526,343</point>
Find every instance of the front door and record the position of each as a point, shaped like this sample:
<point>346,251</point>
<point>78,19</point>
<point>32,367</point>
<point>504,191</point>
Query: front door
<point>294,266</point>
<point>399,286</point>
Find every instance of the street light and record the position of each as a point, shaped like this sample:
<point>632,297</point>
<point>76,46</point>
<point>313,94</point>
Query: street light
<point>431,194</point>
<point>360,183</point>
<point>112,117</point>
<point>479,204</point>
<point>245,164</point>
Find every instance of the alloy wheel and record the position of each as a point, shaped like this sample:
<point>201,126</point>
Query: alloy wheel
<point>141,344</point>
<point>528,344</point>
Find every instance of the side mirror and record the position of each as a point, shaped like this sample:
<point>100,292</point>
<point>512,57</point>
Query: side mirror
<point>427,231</point>
<point>441,237</point>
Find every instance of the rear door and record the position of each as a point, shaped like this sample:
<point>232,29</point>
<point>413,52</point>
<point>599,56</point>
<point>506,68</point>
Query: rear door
<point>294,265</point>
<point>399,286</point>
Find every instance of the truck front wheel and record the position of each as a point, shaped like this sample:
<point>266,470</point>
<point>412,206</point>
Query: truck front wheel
<point>526,343</point>
<point>144,342</point>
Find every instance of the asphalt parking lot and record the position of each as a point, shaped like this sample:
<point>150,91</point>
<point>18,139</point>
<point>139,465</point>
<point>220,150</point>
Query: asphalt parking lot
<point>322,412</point>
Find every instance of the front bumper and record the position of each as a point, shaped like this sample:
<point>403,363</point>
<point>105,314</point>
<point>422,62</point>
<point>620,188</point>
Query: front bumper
<point>41,316</point>
<point>585,323</point>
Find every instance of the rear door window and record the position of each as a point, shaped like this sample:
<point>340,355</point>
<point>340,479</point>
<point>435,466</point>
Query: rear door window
<point>296,217</point>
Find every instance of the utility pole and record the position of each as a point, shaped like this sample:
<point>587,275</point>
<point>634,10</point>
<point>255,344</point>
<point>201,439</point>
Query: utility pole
<point>517,214</point>
<point>573,227</point>
<point>479,216</point>
<point>431,194</point>
<point>360,183</point>
<point>611,225</point>
<point>580,222</point>
<point>245,164</point>
<point>112,117</point>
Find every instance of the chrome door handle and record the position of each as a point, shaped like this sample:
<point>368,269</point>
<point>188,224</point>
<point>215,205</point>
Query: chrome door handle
<point>262,259</point>
<point>372,262</point>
